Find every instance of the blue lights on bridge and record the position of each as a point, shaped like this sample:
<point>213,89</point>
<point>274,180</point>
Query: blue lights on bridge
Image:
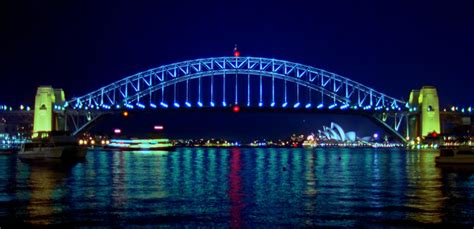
<point>205,81</point>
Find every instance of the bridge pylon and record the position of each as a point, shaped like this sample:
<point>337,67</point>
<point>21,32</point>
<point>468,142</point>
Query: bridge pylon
<point>46,119</point>
<point>424,112</point>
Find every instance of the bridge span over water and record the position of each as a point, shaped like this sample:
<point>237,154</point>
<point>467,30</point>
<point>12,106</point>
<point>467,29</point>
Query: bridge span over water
<point>251,83</point>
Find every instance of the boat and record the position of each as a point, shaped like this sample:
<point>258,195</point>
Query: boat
<point>140,144</point>
<point>460,155</point>
<point>53,146</point>
<point>309,144</point>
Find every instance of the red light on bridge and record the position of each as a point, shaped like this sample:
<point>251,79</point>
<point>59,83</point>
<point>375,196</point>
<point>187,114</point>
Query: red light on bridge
<point>434,134</point>
<point>236,52</point>
<point>236,109</point>
<point>158,127</point>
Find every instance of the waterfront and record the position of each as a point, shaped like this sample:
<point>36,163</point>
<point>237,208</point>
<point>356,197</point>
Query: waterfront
<point>238,188</point>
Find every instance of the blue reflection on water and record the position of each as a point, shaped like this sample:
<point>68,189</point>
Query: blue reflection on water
<point>237,188</point>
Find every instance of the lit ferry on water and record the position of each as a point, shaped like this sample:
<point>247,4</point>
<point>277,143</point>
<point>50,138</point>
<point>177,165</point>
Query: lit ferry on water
<point>140,144</point>
<point>53,145</point>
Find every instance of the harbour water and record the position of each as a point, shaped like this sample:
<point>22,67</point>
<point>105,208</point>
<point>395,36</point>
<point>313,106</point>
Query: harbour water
<point>238,188</point>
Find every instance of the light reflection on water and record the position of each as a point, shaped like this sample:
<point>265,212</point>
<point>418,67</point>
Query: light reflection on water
<point>237,188</point>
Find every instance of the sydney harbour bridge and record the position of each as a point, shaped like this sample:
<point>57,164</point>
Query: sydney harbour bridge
<point>244,83</point>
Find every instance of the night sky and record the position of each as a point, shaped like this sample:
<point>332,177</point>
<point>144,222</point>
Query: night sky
<point>391,46</point>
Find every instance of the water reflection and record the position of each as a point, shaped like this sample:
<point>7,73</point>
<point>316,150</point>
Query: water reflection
<point>424,190</point>
<point>46,179</point>
<point>235,190</point>
<point>238,188</point>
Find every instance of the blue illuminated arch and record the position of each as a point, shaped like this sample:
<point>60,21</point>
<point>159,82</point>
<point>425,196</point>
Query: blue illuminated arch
<point>137,90</point>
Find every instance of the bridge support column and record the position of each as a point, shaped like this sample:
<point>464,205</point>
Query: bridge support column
<point>46,119</point>
<point>424,116</point>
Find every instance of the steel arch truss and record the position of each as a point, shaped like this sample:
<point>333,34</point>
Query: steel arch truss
<point>132,91</point>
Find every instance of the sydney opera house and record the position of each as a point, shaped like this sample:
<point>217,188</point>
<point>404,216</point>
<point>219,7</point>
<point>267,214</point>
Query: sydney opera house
<point>336,133</point>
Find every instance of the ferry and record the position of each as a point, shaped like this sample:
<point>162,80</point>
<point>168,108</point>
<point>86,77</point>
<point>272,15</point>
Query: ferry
<point>309,144</point>
<point>461,155</point>
<point>53,146</point>
<point>140,144</point>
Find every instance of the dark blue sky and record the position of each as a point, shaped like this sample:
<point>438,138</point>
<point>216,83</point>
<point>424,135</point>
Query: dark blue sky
<point>392,46</point>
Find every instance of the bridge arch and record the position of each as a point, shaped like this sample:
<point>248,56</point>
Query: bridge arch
<point>330,90</point>
<point>335,91</point>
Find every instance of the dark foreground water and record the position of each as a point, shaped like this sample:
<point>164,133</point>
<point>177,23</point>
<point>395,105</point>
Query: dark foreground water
<point>238,188</point>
